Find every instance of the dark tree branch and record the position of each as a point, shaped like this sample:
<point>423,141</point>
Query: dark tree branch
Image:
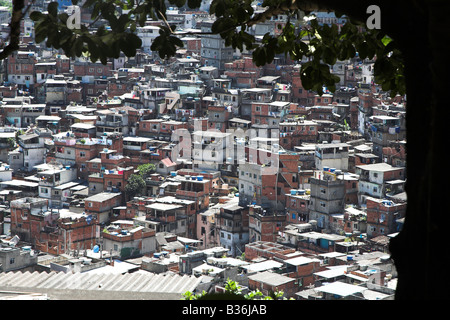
<point>14,33</point>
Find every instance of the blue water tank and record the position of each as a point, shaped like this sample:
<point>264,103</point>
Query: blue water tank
<point>200,178</point>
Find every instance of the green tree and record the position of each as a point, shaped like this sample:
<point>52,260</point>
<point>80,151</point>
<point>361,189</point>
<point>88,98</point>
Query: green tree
<point>135,186</point>
<point>146,169</point>
<point>233,291</point>
<point>11,143</point>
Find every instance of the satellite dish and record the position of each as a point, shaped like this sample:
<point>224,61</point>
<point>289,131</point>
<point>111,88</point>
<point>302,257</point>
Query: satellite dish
<point>96,249</point>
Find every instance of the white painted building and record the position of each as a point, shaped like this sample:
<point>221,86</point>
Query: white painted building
<point>147,35</point>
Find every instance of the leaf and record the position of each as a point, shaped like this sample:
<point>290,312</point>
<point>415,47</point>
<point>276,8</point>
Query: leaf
<point>36,15</point>
<point>52,9</point>
<point>126,48</point>
<point>180,3</point>
<point>135,40</point>
<point>176,41</point>
<point>63,17</point>
<point>329,56</point>
<point>194,3</point>
<point>40,35</point>
<point>94,51</point>
<point>386,40</point>
<point>78,46</point>
<point>88,3</point>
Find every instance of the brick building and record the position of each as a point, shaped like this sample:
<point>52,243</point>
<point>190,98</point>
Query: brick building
<point>268,282</point>
<point>21,69</point>
<point>297,204</point>
<point>232,226</point>
<point>269,250</point>
<point>243,73</point>
<point>382,216</point>
<point>299,94</point>
<point>28,218</point>
<point>129,242</point>
<point>270,113</point>
<point>264,226</point>
<point>327,200</point>
<point>302,269</point>
<point>100,205</point>
<point>267,177</point>
<point>373,179</point>
<point>295,133</point>
<point>76,231</point>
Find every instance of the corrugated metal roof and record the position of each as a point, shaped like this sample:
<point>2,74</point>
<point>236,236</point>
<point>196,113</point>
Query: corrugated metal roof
<point>128,283</point>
